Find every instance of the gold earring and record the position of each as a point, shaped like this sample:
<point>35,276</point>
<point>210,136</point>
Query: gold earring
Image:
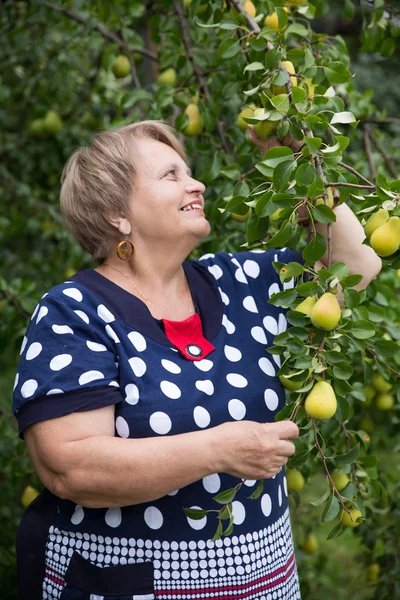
<point>125,249</point>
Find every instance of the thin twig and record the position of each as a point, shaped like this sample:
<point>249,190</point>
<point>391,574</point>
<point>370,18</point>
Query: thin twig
<point>386,158</point>
<point>384,121</point>
<point>386,365</point>
<point>356,173</point>
<point>348,446</point>
<point>351,185</point>
<point>368,150</point>
<point>108,35</point>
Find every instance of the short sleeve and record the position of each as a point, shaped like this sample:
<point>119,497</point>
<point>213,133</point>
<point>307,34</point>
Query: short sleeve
<point>66,364</point>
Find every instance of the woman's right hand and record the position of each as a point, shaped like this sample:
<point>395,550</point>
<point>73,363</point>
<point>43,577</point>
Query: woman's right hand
<point>251,450</point>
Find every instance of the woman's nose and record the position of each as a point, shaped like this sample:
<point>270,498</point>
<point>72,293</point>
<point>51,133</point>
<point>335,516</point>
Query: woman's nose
<point>195,186</point>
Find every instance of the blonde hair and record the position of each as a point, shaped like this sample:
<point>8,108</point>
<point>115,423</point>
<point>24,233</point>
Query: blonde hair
<point>97,182</point>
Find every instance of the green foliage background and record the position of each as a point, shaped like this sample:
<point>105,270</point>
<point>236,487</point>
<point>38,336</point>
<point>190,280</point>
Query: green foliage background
<point>58,56</point>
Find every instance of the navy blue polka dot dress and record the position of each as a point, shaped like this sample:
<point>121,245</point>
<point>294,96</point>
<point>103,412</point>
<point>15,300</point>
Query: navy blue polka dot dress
<point>92,344</point>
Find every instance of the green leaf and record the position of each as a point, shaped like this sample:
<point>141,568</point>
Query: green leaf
<point>351,298</point>
<point>254,66</point>
<point>322,499</point>
<point>308,289</point>
<point>195,513</point>
<point>281,238</point>
<point>272,158</point>
<point>313,144</point>
<point>351,280</point>
<point>292,269</point>
<point>229,24</point>
<point>228,49</point>
<point>363,330</point>
<point>225,497</point>
<point>283,299</point>
<point>343,117</point>
<point>337,530</point>
<point>256,228</point>
<point>218,533</point>
<point>349,457</point>
<point>315,249</point>
<point>258,491</point>
<point>299,458</point>
<point>282,174</point>
<point>349,10</point>
<point>305,174</point>
<point>336,72</point>
<point>323,214</point>
<point>334,358</point>
<point>342,371</point>
<point>281,103</point>
<point>331,510</point>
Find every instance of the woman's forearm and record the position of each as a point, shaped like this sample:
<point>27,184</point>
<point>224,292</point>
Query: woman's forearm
<point>347,237</point>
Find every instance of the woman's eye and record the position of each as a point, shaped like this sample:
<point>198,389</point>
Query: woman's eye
<point>172,171</point>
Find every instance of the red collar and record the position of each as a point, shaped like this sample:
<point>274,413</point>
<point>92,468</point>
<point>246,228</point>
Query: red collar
<point>188,337</point>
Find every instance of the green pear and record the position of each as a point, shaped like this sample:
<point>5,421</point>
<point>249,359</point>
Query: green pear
<point>331,199</point>
<point>321,402</point>
<point>168,77</point>
<point>384,401</point>
<point>385,240</point>
<point>370,393</point>
<point>340,480</point>
<point>246,112</point>
<point>291,384</point>
<point>325,313</point>
<point>121,66</point>
<point>380,383</point>
<point>37,127</point>
<point>52,122</point>
<point>195,125</point>
<point>264,129</point>
<point>306,305</point>
<point>280,89</point>
<point>376,220</point>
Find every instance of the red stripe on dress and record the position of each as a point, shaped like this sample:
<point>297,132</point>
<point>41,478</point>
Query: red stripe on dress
<point>55,579</point>
<point>256,583</point>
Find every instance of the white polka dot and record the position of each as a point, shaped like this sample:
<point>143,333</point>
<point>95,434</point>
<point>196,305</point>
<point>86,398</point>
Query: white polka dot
<point>280,496</point>
<point>60,362</point>
<point>258,334</point>
<point>250,482</point>
<point>212,483</point>
<point>266,365</point>
<point>137,340</point>
<point>82,315</point>
<point>266,505</point>
<point>96,347</point>
<point>236,409</point>
<point>239,512</point>
<point>277,360</point>
<point>60,329</point>
<point>236,262</point>
<point>111,334</point>
<point>33,351</point>
<point>73,293</point>
<point>114,384</point>
<point>201,417</point>
<point>16,381</point>
<point>282,323</point>
<point>271,399</point>
<point>138,366</point>
<point>250,305</point>
<point>236,380</point>
<point>240,276</point>
<point>170,389</point>
<point>54,391</point>
<point>273,289</point>
<point>224,297</point>
<point>78,515</point>
<point>203,365</point>
<point>34,312</point>
<point>288,285</point>
<point>216,271</point>
<point>205,256</point>
<point>29,388</point>
<point>232,354</point>
<point>42,313</point>
<point>160,423</point>
<point>270,325</point>
<point>24,341</point>
<point>105,314</point>
<point>197,523</point>
<point>131,393</point>
<point>205,386</point>
<point>122,427</point>
<point>229,326</point>
<point>174,493</point>
<point>113,517</point>
<point>170,366</point>
<point>90,376</point>
<point>251,268</point>
<point>153,517</point>
<point>259,251</point>
<point>285,486</point>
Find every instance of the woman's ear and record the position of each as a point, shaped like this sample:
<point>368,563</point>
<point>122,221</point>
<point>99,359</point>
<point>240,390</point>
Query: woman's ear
<point>122,224</point>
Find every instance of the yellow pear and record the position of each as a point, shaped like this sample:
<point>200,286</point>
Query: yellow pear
<point>241,218</point>
<point>294,479</point>
<point>321,402</point>
<point>380,383</point>
<point>264,129</point>
<point>168,77</point>
<point>330,199</point>
<point>278,89</point>
<point>376,220</point>
<point>28,495</point>
<point>310,87</point>
<point>248,7</point>
<point>340,480</point>
<point>384,401</point>
<point>273,219</point>
<point>385,240</point>
<point>248,111</point>
<point>121,66</point>
<point>373,572</point>
<point>306,305</point>
<point>273,20</point>
<point>350,522</point>
<point>310,544</point>
<point>195,125</point>
<point>325,313</point>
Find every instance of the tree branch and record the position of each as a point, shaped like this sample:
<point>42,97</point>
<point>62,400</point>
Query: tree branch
<point>386,158</point>
<point>351,185</point>
<point>384,121</point>
<point>356,173</point>
<point>108,35</point>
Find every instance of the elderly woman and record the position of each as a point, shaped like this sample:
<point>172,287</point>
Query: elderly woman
<point>144,388</point>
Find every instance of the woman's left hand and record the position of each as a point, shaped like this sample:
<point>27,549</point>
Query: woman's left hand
<point>265,145</point>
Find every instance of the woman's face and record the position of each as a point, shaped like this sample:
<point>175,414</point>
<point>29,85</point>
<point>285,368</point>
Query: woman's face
<point>162,187</point>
